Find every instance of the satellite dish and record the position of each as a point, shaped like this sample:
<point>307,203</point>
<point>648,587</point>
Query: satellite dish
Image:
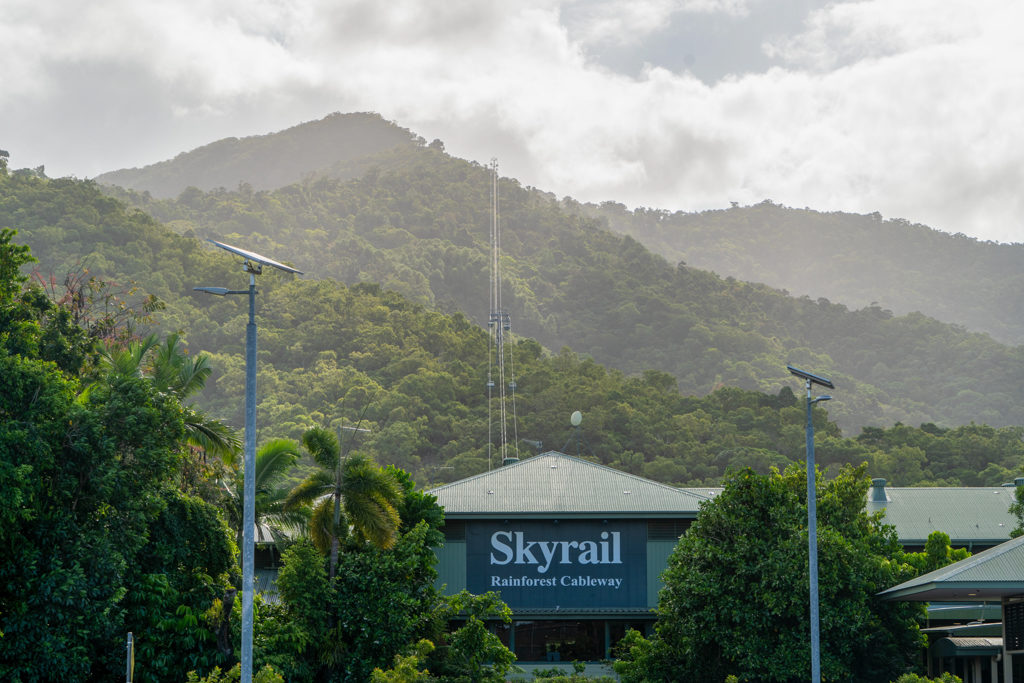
<point>576,418</point>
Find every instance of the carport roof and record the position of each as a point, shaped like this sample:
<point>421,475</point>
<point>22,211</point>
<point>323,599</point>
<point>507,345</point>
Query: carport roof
<point>990,575</point>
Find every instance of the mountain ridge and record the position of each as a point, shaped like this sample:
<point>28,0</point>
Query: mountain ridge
<point>269,161</point>
<point>857,260</point>
<point>418,222</point>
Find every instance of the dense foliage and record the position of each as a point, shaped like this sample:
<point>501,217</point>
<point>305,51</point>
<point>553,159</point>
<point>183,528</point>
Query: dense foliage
<point>419,224</point>
<point>96,540</point>
<point>860,260</point>
<point>101,535</point>
<point>748,547</point>
<point>378,607</point>
<point>337,356</point>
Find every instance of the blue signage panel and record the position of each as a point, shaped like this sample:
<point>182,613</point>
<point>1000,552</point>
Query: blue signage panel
<point>568,564</point>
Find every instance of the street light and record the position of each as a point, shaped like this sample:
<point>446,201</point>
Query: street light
<point>253,265</point>
<point>812,516</point>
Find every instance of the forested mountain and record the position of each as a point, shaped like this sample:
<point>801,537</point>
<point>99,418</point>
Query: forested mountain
<point>854,259</point>
<point>336,145</point>
<point>332,354</point>
<point>418,223</point>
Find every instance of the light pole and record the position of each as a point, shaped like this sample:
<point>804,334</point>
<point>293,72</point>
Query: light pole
<point>812,516</point>
<point>253,265</point>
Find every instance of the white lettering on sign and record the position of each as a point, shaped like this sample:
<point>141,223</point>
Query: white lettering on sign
<point>567,581</point>
<point>511,547</point>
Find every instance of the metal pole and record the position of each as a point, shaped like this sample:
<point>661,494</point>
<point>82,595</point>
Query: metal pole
<point>130,658</point>
<point>812,542</point>
<point>249,486</point>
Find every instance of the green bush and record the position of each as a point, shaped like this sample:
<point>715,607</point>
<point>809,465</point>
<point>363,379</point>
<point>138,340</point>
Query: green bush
<point>914,678</point>
<point>264,675</point>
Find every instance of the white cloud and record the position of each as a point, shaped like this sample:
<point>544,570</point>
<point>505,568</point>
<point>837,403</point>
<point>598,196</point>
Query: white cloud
<point>901,106</point>
<point>626,23</point>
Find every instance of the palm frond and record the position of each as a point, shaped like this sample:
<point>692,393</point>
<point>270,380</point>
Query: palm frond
<point>213,436</point>
<point>323,445</point>
<point>315,486</point>
<point>274,460</point>
<point>192,375</point>
<point>322,530</point>
<point>374,518</point>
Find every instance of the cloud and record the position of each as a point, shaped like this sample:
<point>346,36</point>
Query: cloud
<point>900,106</point>
<point>629,23</point>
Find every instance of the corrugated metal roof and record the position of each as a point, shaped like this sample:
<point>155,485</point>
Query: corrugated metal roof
<point>553,483</point>
<point>990,574</point>
<point>967,514</point>
<point>975,643</point>
<point>956,646</point>
<point>967,647</point>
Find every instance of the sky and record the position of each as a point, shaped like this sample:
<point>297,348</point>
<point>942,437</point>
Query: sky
<point>909,108</point>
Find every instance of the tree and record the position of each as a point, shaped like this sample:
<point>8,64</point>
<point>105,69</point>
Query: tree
<point>735,599</point>
<point>95,540</point>
<point>346,493</point>
<point>473,653</point>
<point>274,460</point>
<point>170,369</point>
<point>937,554</point>
<point>1017,510</point>
<point>341,628</point>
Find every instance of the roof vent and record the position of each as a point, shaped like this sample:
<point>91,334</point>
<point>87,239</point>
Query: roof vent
<point>877,493</point>
<point>509,461</point>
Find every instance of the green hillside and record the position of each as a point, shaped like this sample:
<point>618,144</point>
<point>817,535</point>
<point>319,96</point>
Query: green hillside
<point>857,260</point>
<point>418,223</point>
<point>334,145</point>
<point>334,355</point>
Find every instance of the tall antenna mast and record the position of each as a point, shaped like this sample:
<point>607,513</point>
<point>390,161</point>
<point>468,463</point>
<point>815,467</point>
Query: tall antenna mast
<point>499,322</point>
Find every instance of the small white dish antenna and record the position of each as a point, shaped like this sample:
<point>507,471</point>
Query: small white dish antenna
<point>576,418</point>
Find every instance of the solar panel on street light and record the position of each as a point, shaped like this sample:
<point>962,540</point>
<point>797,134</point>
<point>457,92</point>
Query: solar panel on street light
<point>811,377</point>
<point>253,256</point>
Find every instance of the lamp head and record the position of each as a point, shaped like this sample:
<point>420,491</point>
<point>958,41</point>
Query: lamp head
<point>218,291</point>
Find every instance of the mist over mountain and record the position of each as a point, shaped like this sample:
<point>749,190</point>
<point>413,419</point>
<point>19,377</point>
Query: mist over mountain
<point>418,222</point>
<point>859,260</point>
<point>335,144</point>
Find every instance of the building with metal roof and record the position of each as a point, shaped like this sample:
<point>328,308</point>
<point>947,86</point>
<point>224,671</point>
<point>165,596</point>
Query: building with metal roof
<point>553,483</point>
<point>994,575</point>
<point>577,549</point>
<point>974,517</point>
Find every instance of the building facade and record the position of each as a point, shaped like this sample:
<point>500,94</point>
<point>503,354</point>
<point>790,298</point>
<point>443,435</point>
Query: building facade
<point>576,549</point>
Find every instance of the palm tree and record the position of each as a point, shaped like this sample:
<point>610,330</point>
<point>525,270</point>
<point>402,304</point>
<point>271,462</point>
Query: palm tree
<point>172,370</point>
<point>273,462</point>
<point>350,495</point>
